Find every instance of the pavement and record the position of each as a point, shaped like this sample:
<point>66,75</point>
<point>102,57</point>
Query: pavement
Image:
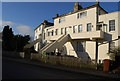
<point>70,69</point>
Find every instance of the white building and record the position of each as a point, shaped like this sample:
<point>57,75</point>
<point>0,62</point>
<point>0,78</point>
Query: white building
<point>85,33</point>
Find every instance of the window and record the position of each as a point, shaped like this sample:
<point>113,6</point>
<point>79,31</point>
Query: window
<point>44,36</point>
<point>66,31</point>
<point>48,33</point>
<point>52,32</point>
<point>111,46</point>
<point>82,14</point>
<point>61,30</point>
<point>56,32</point>
<point>89,27</point>
<point>74,29</point>
<point>112,25</point>
<point>62,20</point>
<point>39,28</point>
<point>81,46</point>
<point>36,30</point>
<point>79,28</point>
<point>78,15</point>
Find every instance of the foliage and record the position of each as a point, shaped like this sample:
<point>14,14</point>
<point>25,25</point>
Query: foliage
<point>7,37</point>
<point>115,52</point>
<point>21,41</point>
<point>11,42</point>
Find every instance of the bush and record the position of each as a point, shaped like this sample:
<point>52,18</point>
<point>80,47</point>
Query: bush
<point>115,53</point>
<point>115,56</point>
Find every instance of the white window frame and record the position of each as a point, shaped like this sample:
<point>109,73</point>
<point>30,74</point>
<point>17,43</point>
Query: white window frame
<point>52,32</point>
<point>111,25</point>
<point>62,31</point>
<point>89,27</point>
<point>82,14</point>
<point>80,28</point>
<point>56,32</point>
<point>62,19</point>
<point>66,30</point>
<point>75,29</point>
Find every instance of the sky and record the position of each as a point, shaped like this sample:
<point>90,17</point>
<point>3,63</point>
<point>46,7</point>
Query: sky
<point>24,17</point>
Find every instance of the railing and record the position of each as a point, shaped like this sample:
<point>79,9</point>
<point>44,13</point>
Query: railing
<point>53,43</point>
<point>32,43</point>
<point>45,47</point>
<point>66,61</point>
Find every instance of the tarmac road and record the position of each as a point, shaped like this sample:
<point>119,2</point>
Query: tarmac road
<point>16,70</point>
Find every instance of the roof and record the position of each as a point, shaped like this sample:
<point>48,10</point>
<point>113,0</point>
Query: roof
<point>95,5</point>
<point>38,26</point>
<point>47,25</point>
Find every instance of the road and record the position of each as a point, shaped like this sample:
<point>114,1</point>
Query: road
<point>16,70</point>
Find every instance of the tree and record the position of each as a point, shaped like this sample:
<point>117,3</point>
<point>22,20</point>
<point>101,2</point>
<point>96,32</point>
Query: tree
<point>115,56</point>
<point>115,53</point>
<point>7,37</point>
<point>21,41</point>
<point>13,42</point>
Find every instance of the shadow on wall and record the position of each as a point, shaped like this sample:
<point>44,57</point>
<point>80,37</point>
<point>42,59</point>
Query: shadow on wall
<point>79,53</point>
<point>63,50</point>
<point>83,55</point>
<point>107,37</point>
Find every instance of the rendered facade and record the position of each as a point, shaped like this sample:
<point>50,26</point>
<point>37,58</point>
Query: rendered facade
<point>89,32</point>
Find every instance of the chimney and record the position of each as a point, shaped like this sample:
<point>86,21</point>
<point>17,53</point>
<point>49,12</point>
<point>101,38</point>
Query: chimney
<point>57,15</point>
<point>77,7</point>
<point>97,1</point>
<point>45,22</point>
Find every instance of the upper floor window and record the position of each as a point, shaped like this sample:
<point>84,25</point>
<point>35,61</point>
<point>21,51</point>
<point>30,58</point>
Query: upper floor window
<point>112,25</point>
<point>74,29</point>
<point>52,32</point>
<point>61,30</point>
<point>56,32</point>
<point>39,28</point>
<point>82,14</point>
<point>66,30</point>
<point>44,36</point>
<point>89,27</point>
<point>48,33</point>
<point>36,30</point>
<point>80,28</point>
<point>62,19</point>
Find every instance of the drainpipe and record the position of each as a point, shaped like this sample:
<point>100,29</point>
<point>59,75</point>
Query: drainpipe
<point>96,55</point>
<point>97,20</point>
